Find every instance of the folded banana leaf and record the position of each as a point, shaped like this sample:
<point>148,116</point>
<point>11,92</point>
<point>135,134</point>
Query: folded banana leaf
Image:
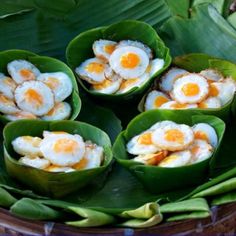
<point>188,209</point>
<point>224,198</point>
<point>6,199</point>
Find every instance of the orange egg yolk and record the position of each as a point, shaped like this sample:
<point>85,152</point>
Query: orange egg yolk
<point>190,89</point>
<point>178,106</point>
<point>106,83</point>
<point>81,164</point>
<point>130,60</point>
<point>52,83</point>
<point>145,139</point>
<point>202,105</point>
<point>34,141</point>
<point>27,74</point>
<point>160,100</point>
<point>127,83</point>
<point>32,96</point>
<point>194,150</point>
<point>213,91</point>
<point>95,67</point>
<point>174,135</point>
<point>201,135</point>
<point>5,100</point>
<point>109,48</point>
<point>65,145</point>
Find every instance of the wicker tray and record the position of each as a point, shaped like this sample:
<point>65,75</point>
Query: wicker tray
<point>222,222</point>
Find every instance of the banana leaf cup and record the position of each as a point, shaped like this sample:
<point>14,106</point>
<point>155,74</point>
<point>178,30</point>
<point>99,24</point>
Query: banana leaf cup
<point>49,183</point>
<point>197,62</point>
<point>159,179</point>
<point>44,64</point>
<point>80,49</point>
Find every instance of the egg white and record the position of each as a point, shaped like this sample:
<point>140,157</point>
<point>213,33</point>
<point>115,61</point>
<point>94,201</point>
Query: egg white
<point>20,115</point>
<point>210,102</point>
<point>7,105</point>
<point>7,86</point>
<point>35,161</point>
<point>155,99</point>
<point>154,66</point>
<point>212,75</point>
<point>177,106</point>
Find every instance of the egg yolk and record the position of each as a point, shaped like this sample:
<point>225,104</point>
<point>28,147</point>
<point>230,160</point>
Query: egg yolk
<point>52,83</point>
<point>174,135</point>
<point>178,106</point>
<point>202,105</point>
<point>145,139</point>
<point>160,100</point>
<point>24,115</point>
<point>81,164</point>
<point>6,100</point>
<point>190,89</point>
<point>65,145</point>
<point>102,85</point>
<point>32,96</point>
<point>194,150</point>
<point>27,74</point>
<point>154,159</point>
<point>201,135</point>
<point>213,90</point>
<point>169,159</point>
<point>127,83</point>
<point>95,67</point>
<point>130,60</point>
<point>109,48</point>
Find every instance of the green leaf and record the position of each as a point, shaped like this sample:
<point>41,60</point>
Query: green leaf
<point>185,176</point>
<point>44,64</point>
<point>30,209</point>
<point>53,184</point>
<point>80,49</point>
<point>6,199</point>
<point>232,19</point>
<point>224,198</point>
<point>192,215</point>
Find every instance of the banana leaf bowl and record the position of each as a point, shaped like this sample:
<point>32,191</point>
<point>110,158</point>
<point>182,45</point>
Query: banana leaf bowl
<point>48,183</point>
<point>195,62</point>
<point>159,179</point>
<point>44,64</point>
<point>80,49</point>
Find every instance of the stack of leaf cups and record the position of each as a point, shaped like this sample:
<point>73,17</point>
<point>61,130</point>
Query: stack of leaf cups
<point>49,183</point>
<point>80,49</point>
<point>160,179</point>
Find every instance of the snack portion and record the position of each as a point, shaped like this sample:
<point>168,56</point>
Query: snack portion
<point>118,66</point>
<point>180,89</point>
<point>26,93</point>
<point>58,152</point>
<point>168,144</point>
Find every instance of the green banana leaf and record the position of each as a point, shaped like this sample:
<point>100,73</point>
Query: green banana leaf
<point>224,198</point>
<point>185,176</point>
<point>80,49</point>
<point>6,199</point>
<point>53,184</point>
<point>195,62</point>
<point>44,64</point>
<point>188,209</point>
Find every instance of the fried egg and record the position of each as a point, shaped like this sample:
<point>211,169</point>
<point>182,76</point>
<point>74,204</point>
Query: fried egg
<point>212,75</point>
<point>167,80</point>
<point>137,44</point>
<point>7,105</point>
<point>161,124</point>
<point>63,149</point>
<point>27,145</point>
<point>210,102</point>
<point>173,137</point>
<point>190,88</point>
<point>151,159</point>
<point>224,91</point>
<point>7,86</point>
<point>200,150</point>
<point>108,86</point>
<point>36,162</point>
<point>34,97</point>
<point>155,99</point>
<point>177,106</point>
<point>154,66</point>
<point>21,115</point>
<point>104,48</point>
<point>22,70</point>
<point>50,133</point>
<point>176,159</point>
<point>55,168</point>
<point>127,85</point>
<point>205,132</point>
<point>129,62</point>
<point>61,111</point>
<point>93,70</point>
<point>93,157</point>
<point>142,144</point>
<point>60,84</point>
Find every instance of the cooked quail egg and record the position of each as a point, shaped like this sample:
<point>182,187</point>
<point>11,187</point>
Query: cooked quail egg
<point>22,70</point>
<point>7,105</point>
<point>155,99</point>
<point>60,84</point>
<point>210,102</point>
<point>173,137</point>
<point>55,168</point>
<point>211,75</point>
<point>151,159</point>
<point>63,149</point>
<point>129,62</point>
<point>20,115</point>
<point>34,97</point>
<point>154,66</point>
<point>190,88</point>
<point>7,86</point>
<point>177,106</point>
<point>27,145</point>
<point>104,48</point>
<point>35,162</point>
